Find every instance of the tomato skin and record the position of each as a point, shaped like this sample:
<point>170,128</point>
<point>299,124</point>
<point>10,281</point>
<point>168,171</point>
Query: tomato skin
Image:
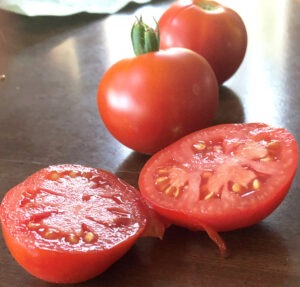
<point>106,200</point>
<point>56,267</point>
<point>218,34</point>
<point>256,155</point>
<point>149,101</point>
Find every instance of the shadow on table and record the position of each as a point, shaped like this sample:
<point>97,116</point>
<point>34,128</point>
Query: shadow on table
<point>184,258</point>
<point>130,168</point>
<point>230,107</point>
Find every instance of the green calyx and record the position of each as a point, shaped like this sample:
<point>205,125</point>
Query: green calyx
<point>144,38</point>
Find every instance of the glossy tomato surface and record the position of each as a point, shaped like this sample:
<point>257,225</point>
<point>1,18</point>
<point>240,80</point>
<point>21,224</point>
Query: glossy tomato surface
<point>214,31</point>
<point>224,177</point>
<point>149,101</point>
<point>68,223</point>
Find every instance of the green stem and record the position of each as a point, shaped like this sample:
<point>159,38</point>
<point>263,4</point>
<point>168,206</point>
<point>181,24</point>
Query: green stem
<point>144,38</point>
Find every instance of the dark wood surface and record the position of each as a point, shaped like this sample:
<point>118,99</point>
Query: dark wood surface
<point>48,115</point>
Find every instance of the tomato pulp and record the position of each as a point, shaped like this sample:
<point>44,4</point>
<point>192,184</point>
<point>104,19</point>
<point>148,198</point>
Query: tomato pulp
<point>68,223</point>
<point>221,178</point>
<point>214,31</point>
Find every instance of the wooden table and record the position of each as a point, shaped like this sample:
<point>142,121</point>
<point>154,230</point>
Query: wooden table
<point>48,115</point>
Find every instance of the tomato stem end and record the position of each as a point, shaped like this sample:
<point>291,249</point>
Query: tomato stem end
<point>144,38</point>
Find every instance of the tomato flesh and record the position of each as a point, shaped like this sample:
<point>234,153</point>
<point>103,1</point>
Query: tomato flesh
<point>224,177</point>
<point>68,223</point>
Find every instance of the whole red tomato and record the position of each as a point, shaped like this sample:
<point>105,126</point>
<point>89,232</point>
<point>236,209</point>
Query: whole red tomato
<point>216,32</point>
<point>151,100</point>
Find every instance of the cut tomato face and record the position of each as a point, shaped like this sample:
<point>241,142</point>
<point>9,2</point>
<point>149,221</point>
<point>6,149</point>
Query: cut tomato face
<point>68,223</point>
<point>221,178</point>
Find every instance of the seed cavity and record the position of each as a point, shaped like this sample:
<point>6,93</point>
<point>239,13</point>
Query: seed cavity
<point>171,180</point>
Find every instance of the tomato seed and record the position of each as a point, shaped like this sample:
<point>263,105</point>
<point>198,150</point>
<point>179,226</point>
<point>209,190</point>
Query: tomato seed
<point>256,184</point>
<point>162,185</point>
<point>236,187</point>
<point>51,234</point>
<point>54,176</point>
<point>73,239</point>
<point>169,190</point>
<point>73,174</point>
<point>89,237</point>
<point>162,171</point>
<point>266,159</point>
<point>176,193</point>
<point>33,225</point>
<point>199,146</point>
<point>209,195</point>
<point>161,179</point>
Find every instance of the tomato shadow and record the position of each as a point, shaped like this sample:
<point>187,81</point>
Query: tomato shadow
<point>130,168</point>
<point>186,258</point>
<point>230,107</point>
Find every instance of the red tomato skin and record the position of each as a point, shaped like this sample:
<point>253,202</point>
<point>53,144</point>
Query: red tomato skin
<point>149,101</point>
<point>218,35</point>
<point>57,267</point>
<point>225,219</point>
<point>55,261</point>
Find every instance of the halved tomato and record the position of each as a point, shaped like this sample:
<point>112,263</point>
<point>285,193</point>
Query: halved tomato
<point>68,223</point>
<point>221,178</point>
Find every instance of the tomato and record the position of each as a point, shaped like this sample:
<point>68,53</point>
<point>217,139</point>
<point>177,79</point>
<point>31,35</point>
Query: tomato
<point>151,100</point>
<point>68,223</point>
<point>214,31</point>
<point>221,178</point>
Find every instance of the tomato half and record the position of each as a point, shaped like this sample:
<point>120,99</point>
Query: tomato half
<point>214,31</point>
<point>151,100</point>
<point>221,178</point>
<point>68,223</point>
